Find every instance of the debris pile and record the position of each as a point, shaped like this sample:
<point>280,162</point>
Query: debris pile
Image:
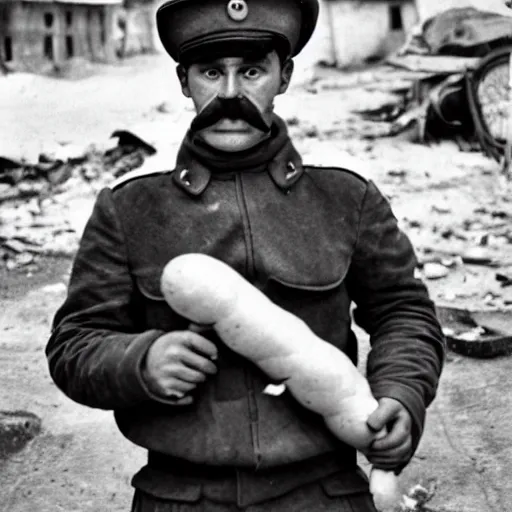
<point>17,428</point>
<point>483,241</point>
<point>468,266</point>
<point>459,86</point>
<point>42,203</point>
<point>418,497</point>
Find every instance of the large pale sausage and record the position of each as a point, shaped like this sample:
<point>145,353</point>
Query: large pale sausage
<point>322,378</point>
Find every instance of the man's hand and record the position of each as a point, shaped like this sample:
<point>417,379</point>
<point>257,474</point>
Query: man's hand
<point>395,448</point>
<point>177,362</point>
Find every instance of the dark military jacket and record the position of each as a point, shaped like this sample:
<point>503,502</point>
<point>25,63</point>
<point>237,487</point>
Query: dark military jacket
<point>314,240</point>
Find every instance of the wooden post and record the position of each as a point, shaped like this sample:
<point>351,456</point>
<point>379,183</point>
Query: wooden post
<point>332,32</point>
<point>59,35</point>
<point>110,43</point>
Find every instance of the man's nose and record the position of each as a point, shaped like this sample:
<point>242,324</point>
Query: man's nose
<point>230,86</point>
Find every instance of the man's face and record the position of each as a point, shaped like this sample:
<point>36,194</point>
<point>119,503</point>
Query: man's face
<point>257,82</point>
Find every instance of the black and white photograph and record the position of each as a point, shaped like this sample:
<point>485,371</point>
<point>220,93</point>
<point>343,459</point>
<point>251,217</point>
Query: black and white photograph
<point>255,255</point>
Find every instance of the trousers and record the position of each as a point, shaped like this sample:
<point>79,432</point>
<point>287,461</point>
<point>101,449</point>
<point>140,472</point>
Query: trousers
<point>313,497</point>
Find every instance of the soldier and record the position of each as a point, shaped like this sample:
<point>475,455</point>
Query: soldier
<point>314,240</point>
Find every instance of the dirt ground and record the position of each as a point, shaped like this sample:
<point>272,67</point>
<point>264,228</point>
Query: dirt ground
<point>79,462</point>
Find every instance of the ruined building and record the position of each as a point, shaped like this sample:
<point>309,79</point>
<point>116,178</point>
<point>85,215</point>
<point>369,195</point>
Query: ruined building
<point>34,32</point>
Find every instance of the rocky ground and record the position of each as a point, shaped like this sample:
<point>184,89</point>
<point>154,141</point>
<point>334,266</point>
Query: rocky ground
<point>455,206</point>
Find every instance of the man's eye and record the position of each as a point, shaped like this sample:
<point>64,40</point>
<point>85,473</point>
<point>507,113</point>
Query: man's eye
<point>252,73</point>
<point>212,74</point>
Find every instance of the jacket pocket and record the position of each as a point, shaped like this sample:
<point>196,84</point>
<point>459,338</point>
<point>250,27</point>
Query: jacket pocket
<point>310,284</point>
<point>151,304</point>
<point>148,283</point>
<point>304,289</point>
<point>323,304</point>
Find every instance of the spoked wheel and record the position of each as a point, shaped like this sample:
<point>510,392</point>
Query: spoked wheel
<point>490,101</point>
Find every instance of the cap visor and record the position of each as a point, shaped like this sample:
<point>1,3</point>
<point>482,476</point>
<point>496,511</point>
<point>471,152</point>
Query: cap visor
<point>242,44</point>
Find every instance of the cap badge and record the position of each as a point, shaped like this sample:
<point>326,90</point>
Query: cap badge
<point>237,10</point>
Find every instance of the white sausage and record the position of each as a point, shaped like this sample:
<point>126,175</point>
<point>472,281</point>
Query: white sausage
<point>321,377</point>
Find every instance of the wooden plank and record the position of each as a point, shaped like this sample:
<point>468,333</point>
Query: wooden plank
<point>443,64</point>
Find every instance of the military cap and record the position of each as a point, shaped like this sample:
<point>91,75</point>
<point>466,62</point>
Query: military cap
<point>191,28</point>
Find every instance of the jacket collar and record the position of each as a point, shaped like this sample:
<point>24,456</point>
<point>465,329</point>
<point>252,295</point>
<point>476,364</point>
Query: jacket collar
<point>196,162</point>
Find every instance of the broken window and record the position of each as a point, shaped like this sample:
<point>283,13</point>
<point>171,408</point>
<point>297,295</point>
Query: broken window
<point>48,47</point>
<point>7,49</point>
<point>395,17</point>
<point>4,14</point>
<point>48,19</point>
<point>69,47</point>
<point>69,18</point>
<point>103,33</point>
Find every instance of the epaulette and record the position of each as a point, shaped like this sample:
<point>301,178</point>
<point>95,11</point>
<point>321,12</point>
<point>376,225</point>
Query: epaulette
<point>356,174</point>
<point>134,175</point>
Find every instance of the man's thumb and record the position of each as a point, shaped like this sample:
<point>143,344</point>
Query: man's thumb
<point>379,418</point>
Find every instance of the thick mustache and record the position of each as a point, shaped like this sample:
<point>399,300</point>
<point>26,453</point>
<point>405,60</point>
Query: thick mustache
<point>230,108</point>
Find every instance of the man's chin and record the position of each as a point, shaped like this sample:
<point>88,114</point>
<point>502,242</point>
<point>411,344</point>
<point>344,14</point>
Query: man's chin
<point>232,141</point>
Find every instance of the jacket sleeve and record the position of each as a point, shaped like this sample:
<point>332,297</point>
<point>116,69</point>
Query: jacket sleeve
<point>393,306</point>
<point>95,351</point>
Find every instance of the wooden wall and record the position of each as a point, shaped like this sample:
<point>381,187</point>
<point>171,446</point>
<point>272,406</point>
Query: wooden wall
<point>39,33</point>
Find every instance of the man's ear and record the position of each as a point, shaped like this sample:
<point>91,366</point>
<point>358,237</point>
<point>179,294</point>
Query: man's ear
<point>286,75</point>
<point>181,71</point>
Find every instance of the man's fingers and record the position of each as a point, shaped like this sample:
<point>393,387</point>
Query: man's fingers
<point>395,453</point>
<point>201,345</point>
<point>198,362</point>
<point>189,375</point>
<point>395,448</point>
<point>386,412</point>
<point>176,386</point>
<point>391,458</point>
<point>387,443</point>
<point>398,434</point>
<point>402,448</point>
<point>185,400</point>
<point>177,362</point>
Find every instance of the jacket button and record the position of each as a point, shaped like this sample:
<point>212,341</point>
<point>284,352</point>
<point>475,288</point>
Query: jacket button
<point>184,177</point>
<point>292,171</point>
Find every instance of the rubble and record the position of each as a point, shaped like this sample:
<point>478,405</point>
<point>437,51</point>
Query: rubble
<point>17,428</point>
<point>35,196</point>
<point>434,270</point>
<point>458,84</point>
<point>479,332</point>
<point>417,497</point>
